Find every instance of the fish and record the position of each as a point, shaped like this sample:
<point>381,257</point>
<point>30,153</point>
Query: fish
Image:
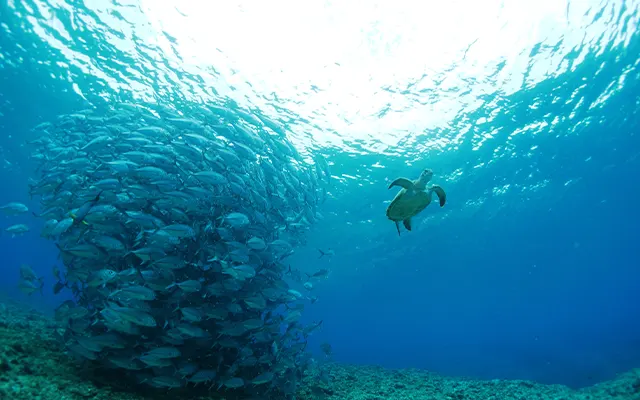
<point>263,378</point>
<point>171,225</point>
<point>233,383</point>
<point>58,286</point>
<point>236,220</point>
<point>190,286</point>
<point>17,230</point>
<point>164,352</point>
<point>319,274</point>
<point>327,252</point>
<point>31,286</point>
<point>82,212</point>
<point>134,292</point>
<point>203,375</point>
<point>210,178</point>
<point>14,208</point>
<point>165,382</point>
<point>179,230</point>
<point>256,243</point>
<point>27,273</point>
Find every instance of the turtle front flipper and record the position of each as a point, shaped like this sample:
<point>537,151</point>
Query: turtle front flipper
<point>398,227</point>
<point>442,196</point>
<point>407,223</point>
<point>402,182</point>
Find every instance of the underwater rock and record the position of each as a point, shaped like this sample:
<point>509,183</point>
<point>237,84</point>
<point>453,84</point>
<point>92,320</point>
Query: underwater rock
<point>33,365</point>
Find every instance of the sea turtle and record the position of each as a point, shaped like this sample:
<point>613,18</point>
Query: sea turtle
<point>413,198</point>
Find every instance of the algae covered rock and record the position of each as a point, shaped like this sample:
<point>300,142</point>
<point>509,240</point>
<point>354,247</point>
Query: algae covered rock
<point>34,366</point>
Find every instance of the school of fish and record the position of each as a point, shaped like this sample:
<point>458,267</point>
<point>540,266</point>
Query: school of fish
<point>173,230</point>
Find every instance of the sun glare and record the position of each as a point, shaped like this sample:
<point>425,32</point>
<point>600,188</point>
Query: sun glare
<point>364,70</point>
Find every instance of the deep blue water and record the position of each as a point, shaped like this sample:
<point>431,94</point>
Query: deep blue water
<point>532,269</point>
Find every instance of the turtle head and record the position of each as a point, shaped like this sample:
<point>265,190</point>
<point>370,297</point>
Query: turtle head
<point>425,177</point>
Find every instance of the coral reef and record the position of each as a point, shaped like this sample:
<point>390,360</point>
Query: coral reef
<point>351,382</point>
<point>34,366</point>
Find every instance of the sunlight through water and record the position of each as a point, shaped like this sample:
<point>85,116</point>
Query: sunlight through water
<point>380,88</point>
<point>155,141</point>
<point>370,70</point>
<point>363,76</point>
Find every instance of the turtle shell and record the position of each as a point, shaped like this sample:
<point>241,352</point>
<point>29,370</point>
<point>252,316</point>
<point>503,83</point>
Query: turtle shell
<point>407,204</point>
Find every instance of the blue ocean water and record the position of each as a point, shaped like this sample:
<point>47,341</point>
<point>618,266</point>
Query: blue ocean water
<point>527,114</point>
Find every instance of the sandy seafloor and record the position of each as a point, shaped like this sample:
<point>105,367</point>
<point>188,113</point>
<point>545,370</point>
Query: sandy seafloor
<point>33,366</point>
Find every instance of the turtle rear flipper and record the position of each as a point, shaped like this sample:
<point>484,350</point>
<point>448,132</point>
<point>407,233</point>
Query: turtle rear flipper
<point>398,227</point>
<point>402,182</point>
<point>407,223</point>
<point>442,196</point>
